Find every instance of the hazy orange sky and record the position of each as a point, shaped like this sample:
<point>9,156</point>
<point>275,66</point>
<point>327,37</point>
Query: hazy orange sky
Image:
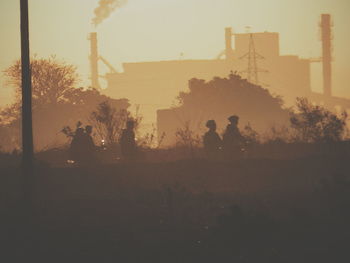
<point>146,30</point>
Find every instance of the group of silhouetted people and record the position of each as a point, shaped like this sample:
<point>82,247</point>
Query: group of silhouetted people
<point>83,148</point>
<point>231,144</point>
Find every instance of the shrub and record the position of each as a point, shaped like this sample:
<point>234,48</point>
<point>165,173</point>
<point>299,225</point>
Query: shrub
<point>317,124</point>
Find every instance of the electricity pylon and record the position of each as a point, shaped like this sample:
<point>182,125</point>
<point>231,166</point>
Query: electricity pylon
<point>252,56</point>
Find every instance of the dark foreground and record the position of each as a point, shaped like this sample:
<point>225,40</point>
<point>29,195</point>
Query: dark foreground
<point>185,211</point>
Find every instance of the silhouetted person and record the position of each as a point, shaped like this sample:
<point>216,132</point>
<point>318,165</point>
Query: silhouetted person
<point>212,141</point>
<point>232,139</point>
<point>77,146</point>
<point>127,142</point>
<point>89,145</point>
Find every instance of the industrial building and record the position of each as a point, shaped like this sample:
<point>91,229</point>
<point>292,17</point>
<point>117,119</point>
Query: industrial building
<point>287,76</point>
<point>255,56</point>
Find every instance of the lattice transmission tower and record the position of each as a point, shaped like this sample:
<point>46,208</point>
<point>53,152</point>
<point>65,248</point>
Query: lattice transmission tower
<point>252,56</point>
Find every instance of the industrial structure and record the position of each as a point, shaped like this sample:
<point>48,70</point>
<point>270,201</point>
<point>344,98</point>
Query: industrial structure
<point>284,75</point>
<point>94,60</point>
<point>326,54</point>
<point>252,56</point>
<point>327,99</point>
<point>288,76</point>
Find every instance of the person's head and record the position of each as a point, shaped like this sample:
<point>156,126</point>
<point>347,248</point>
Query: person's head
<point>211,124</point>
<point>130,124</point>
<point>79,132</point>
<point>88,129</point>
<point>233,119</point>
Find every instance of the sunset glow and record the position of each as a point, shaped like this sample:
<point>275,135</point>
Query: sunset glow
<point>155,30</point>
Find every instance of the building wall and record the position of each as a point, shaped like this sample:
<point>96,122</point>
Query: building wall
<point>155,85</point>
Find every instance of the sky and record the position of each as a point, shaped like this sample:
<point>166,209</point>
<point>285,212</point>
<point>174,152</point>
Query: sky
<point>152,30</point>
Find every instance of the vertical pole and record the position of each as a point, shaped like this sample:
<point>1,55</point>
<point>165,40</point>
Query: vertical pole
<point>94,60</point>
<point>326,54</point>
<point>27,131</point>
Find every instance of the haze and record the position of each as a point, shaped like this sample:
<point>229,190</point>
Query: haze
<point>163,29</point>
<point>186,130</point>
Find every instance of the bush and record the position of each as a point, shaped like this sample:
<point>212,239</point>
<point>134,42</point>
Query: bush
<point>317,124</point>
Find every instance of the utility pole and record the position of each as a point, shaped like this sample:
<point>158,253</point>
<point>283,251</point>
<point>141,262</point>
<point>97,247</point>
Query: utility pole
<point>27,130</point>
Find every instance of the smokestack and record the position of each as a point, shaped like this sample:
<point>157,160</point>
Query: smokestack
<point>326,54</point>
<point>94,60</point>
<point>228,43</point>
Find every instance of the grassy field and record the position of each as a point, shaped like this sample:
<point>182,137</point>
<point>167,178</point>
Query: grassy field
<point>251,210</point>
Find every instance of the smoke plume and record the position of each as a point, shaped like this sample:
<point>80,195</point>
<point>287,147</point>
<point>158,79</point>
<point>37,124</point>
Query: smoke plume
<point>105,9</point>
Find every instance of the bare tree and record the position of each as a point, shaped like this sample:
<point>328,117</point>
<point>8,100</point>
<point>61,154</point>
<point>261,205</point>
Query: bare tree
<point>109,122</point>
<point>52,80</point>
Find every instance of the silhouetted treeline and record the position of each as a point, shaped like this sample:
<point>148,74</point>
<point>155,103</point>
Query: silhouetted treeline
<point>57,102</point>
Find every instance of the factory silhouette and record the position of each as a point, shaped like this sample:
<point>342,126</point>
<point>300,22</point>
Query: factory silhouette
<point>255,56</point>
